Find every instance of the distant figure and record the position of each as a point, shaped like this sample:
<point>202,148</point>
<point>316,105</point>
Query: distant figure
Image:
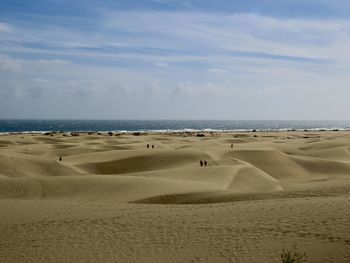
<point>152,146</point>
<point>205,163</point>
<point>147,146</point>
<point>201,163</point>
<point>231,145</point>
<point>60,159</point>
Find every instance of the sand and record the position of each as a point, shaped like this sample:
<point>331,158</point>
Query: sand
<point>113,200</point>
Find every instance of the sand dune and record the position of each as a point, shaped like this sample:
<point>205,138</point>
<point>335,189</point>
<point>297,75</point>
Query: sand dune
<point>335,153</point>
<point>255,164</point>
<point>113,197</point>
<point>95,188</point>
<point>22,165</point>
<point>273,162</point>
<point>321,166</point>
<point>144,162</point>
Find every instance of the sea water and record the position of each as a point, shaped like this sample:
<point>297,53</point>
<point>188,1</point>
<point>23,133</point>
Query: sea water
<point>13,125</point>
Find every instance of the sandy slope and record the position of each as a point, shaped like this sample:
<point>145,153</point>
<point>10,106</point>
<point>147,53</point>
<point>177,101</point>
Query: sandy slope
<point>112,199</point>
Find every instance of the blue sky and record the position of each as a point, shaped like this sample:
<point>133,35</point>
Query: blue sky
<point>160,59</point>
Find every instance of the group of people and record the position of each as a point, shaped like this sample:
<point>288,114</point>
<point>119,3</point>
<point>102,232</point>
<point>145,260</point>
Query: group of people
<point>201,163</point>
<point>148,146</point>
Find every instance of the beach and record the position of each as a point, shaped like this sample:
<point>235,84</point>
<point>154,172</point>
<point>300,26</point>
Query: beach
<point>113,199</point>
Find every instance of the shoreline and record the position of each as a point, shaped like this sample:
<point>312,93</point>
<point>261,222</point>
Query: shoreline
<point>170,132</point>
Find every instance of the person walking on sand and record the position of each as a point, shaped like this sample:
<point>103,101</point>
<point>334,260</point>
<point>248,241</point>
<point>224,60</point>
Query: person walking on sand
<point>201,163</point>
<point>152,146</point>
<point>60,159</point>
<point>205,163</point>
<point>231,145</point>
<point>147,146</point>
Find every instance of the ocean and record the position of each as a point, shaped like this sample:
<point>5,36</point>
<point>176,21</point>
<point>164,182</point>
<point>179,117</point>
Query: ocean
<point>13,126</point>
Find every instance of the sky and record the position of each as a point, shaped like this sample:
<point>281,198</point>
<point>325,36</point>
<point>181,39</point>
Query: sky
<point>167,59</point>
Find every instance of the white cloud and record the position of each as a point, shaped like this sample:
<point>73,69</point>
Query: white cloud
<point>7,91</point>
<point>244,32</point>
<point>46,62</point>
<point>217,70</point>
<point>185,4</point>
<point>201,37</point>
<point>5,27</point>
<point>79,88</point>
<point>9,64</point>
<point>161,64</point>
<point>253,65</point>
<point>195,89</point>
<point>165,2</point>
